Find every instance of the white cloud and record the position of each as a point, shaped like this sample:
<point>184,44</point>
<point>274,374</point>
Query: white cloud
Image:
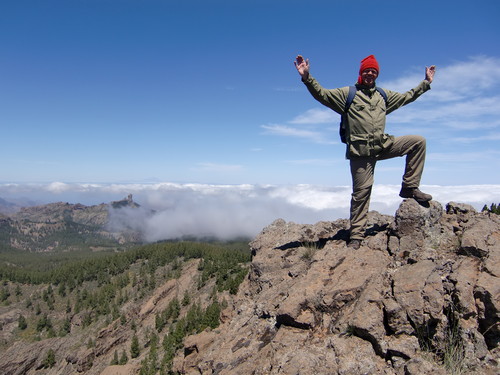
<point>473,138</point>
<point>482,110</point>
<point>462,80</point>
<point>316,116</point>
<point>463,98</point>
<point>227,211</point>
<point>58,187</point>
<point>468,157</point>
<point>288,131</point>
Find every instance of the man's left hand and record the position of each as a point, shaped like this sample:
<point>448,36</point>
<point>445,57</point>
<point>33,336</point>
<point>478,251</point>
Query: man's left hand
<point>429,73</point>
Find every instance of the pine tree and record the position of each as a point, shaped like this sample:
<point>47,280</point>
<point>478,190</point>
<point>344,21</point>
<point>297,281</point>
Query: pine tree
<point>66,327</point>
<point>159,322</point>
<point>134,347</point>
<point>115,359</point>
<point>18,291</point>
<point>4,294</point>
<point>21,323</point>
<point>42,323</point>
<point>212,315</point>
<point>186,300</point>
<point>494,208</point>
<point>62,290</point>
<point>50,359</point>
<point>123,358</point>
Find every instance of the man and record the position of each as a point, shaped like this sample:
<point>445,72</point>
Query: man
<point>366,139</point>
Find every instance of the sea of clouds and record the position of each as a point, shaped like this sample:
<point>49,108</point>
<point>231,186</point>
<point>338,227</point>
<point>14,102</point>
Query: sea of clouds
<point>170,210</point>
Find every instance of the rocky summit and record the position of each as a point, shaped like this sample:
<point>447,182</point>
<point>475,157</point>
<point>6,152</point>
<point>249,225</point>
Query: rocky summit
<point>420,296</point>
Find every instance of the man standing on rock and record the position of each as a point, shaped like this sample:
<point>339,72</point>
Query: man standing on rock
<point>365,135</point>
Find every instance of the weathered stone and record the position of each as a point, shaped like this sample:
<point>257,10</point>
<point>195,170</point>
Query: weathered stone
<point>311,305</point>
<point>320,307</point>
<point>480,237</point>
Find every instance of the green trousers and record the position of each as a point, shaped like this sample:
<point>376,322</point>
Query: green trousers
<point>362,169</point>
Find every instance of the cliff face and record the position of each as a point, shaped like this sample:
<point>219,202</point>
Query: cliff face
<point>421,296</point>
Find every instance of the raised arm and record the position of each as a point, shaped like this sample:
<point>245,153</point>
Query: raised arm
<point>429,73</point>
<point>302,67</point>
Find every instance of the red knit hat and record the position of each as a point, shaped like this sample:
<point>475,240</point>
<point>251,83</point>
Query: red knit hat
<point>367,63</point>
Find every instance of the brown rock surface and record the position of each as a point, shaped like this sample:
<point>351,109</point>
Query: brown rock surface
<point>423,283</point>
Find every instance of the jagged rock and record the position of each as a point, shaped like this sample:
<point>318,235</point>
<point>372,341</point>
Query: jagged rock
<point>422,283</point>
<point>311,305</point>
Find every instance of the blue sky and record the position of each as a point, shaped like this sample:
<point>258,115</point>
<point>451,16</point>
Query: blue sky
<point>205,92</point>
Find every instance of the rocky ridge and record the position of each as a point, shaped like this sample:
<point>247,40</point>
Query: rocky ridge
<point>421,296</point>
<point>65,226</point>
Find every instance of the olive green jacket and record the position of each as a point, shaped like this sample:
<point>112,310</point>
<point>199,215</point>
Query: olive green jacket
<point>365,130</point>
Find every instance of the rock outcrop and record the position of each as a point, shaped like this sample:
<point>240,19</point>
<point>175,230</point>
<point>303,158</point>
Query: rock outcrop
<point>421,296</point>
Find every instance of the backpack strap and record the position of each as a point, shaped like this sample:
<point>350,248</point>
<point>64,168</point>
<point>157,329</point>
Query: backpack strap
<point>382,92</point>
<point>350,97</point>
<point>343,117</point>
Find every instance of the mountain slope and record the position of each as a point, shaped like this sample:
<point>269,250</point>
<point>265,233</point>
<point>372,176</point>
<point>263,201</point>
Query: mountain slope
<point>65,227</point>
<point>132,307</point>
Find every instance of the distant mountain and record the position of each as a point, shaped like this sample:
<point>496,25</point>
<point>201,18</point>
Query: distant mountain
<point>64,226</point>
<point>8,207</point>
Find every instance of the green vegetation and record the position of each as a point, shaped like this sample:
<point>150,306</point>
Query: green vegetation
<point>449,352</point>
<point>50,359</point>
<point>96,291</point>
<point>63,236</point>
<point>21,323</point>
<point>135,349</point>
<point>494,208</point>
<point>57,269</point>
<point>115,360</point>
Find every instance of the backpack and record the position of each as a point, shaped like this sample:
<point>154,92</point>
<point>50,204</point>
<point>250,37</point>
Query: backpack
<point>350,97</point>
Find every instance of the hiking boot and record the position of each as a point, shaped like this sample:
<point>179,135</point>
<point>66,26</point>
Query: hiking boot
<point>415,193</point>
<point>354,244</point>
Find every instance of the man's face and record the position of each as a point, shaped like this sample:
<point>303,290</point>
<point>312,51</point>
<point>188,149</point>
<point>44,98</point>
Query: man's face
<point>368,76</point>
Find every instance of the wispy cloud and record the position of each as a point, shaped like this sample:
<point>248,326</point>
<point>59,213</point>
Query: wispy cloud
<point>486,137</point>
<point>465,157</point>
<point>463,98</point>
<point>289,131</point>
<point>316,116</point>
<point>455,114</point>
<point>462,80</point>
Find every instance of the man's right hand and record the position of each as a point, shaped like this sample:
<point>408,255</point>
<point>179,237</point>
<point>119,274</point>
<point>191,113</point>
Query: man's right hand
<point>302,66</point>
